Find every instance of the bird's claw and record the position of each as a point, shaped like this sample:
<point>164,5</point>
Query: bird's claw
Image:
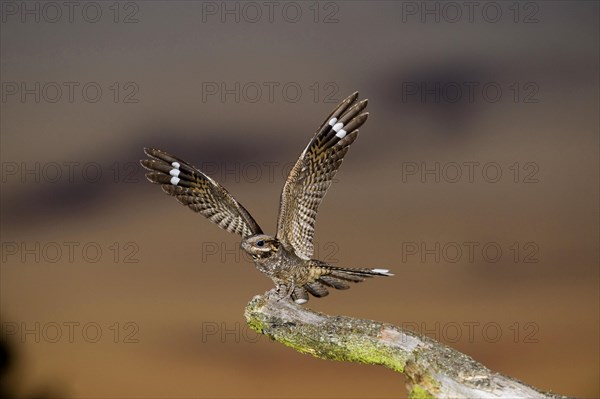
<point>284,292</point>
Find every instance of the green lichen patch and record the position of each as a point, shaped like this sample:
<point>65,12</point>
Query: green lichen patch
<point>418,392</point>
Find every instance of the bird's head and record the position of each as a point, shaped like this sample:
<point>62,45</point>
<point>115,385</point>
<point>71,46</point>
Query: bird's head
<point>260,246</point>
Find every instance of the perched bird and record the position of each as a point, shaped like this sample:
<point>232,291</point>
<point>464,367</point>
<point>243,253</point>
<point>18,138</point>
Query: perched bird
<point>287,257</point>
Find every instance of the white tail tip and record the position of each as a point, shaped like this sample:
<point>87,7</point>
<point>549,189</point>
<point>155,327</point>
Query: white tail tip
<point>385,272</point>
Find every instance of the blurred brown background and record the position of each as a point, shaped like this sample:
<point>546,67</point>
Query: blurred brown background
<point>111,289</point>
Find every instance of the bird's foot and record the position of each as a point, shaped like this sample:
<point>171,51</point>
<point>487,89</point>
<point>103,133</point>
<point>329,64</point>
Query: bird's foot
<point>283,291</point>
<point>273,293</point>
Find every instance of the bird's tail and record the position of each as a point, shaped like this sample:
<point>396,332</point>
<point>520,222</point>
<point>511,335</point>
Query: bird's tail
<point>340,278</point>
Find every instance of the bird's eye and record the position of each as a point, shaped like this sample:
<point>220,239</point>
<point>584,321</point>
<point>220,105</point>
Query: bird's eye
<point>260,243</point>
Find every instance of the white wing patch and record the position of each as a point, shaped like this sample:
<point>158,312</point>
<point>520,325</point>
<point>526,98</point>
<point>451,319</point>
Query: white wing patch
<point>175,173</point>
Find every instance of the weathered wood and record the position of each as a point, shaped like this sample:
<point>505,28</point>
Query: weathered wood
<point>432,369</point>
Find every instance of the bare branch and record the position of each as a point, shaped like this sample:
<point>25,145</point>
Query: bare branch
<point>432,369</point>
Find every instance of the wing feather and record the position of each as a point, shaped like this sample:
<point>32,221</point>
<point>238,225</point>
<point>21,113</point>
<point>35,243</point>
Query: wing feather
<point>313,173</point>
<point>199,192</point>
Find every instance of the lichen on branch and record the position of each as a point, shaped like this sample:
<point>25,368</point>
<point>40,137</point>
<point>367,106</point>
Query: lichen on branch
<point>432,369</point>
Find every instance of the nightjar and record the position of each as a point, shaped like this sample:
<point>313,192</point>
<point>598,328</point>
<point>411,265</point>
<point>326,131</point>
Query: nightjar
<point>286,257</point>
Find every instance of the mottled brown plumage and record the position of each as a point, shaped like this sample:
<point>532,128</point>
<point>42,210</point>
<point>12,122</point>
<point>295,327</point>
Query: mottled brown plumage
<point>287,257</point>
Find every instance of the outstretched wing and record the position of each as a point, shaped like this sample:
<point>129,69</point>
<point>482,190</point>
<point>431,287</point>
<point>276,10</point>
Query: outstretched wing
<point>312,174</point>
<point>199,192</point>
